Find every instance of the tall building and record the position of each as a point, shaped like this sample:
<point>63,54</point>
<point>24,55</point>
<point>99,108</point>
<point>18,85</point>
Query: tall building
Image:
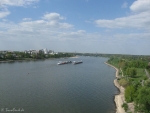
<point>45,51</point>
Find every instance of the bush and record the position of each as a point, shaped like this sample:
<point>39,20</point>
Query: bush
<point>145,77</point>
<point>129,93</point>
<point>125,106</point>
<point>123,82</point>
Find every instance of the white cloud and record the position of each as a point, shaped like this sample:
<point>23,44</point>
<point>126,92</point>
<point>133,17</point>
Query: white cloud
<point>50,21</point>
<point>138,20</point>
<point>29,25</point>
<point>125,5</point>
<point>140,6</point>
<point>53,16</point>
<point>4,5</point>
<point>26,19</point>
<point>38,34</point>
<point>16,2</point>
<point>4,14</point>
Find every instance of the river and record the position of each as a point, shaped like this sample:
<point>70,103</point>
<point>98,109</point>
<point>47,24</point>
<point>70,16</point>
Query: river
<point>42,86</point>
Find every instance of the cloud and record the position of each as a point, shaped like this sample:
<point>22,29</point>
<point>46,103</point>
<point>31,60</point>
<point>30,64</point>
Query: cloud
<point>39,34</point>
<point>4,14</point>
<point>53,17</point>
<point>48,21</point>
<point>4,5</point>
<point>16,2</point>
<point>125,5</point>
<point>140,6</point>
<point>34,26</point>
<point>26,19</point>
<point>138,20</point>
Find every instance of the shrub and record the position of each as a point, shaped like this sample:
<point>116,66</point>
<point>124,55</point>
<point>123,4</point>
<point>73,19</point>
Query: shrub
<point>125,106</point>
<point>123,82</point>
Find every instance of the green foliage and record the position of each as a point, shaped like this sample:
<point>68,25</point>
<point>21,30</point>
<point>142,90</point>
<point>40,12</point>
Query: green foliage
<point>143,100</point>
<point>123,82</point>
<point>38,55</point>
<point>147,83</point>
<point>133,68</point>
<point>129,93</point>
<point>131,72</point>
<point>145,78</point>
<point>125,106</point>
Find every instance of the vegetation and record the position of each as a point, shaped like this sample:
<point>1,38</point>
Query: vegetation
<point>125,106</point>
<point>28,56</point>
<point>123,82</point>
<point>142,99</point>
<point>134,79</point>
<point>129,93</point>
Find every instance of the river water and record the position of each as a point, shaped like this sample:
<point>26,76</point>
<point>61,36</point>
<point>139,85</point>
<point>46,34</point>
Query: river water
<point>44,87</point>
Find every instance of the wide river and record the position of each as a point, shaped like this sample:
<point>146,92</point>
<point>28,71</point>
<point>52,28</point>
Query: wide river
<point>42,86</point>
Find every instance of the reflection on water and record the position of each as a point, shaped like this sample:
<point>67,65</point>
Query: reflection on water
<point>45,87</point>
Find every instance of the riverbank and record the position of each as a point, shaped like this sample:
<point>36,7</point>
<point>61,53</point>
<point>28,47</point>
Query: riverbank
<point>74,57</point>
<point>31,59</point>
<point>19,60</point>
<point>119,98</point>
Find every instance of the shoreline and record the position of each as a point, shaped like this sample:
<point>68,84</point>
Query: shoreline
<point>119,98</point>
<point>30,59</point>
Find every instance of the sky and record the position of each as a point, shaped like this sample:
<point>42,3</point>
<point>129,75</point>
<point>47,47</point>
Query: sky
<point>87,26</point>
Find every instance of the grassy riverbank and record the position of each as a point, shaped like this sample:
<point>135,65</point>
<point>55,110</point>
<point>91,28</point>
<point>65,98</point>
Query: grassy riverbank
<point>119,98</point>
<point>133,78</point>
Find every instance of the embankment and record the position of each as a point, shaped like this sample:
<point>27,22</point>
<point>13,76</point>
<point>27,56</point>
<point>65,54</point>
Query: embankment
<point>119,98</point>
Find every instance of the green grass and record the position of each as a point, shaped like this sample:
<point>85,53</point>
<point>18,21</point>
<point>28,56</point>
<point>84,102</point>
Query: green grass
<point>140,72</point>
<point>141,75</point>
<point>114,64</point>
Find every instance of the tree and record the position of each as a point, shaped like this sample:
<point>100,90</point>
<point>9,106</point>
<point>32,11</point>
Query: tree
<point>9,56</point>
<point>129,93</point>
<point>123,82</point>
<point>131,72</point>
<point>125,106</point>
<point>147,83</point>
<point>143,100</point>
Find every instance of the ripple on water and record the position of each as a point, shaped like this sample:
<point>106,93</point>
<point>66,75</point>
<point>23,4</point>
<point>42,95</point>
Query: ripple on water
<point>44,87</point>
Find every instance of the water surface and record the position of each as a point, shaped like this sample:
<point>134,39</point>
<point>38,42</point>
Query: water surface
<point>44,87</point>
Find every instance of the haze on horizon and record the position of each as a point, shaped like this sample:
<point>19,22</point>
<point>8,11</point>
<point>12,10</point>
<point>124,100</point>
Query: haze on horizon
<point>110,26</point>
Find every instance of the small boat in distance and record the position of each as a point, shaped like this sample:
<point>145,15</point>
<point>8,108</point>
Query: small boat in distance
<point>64,62</point>
<point>77,62</point>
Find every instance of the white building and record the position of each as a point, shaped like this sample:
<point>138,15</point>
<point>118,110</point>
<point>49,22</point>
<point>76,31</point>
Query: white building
<point>45,51</point>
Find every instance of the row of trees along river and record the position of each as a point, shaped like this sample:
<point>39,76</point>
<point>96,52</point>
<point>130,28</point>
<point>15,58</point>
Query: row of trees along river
<point>134,77</point>
<point>28,56</point>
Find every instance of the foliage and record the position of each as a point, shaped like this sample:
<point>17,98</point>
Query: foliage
<point>131,72</point>
<point>135,81</point>
<point>143,100</point>
<point>147,83</point>
<point>123,82</point>
<point>129,93</point>
<point>23,55</point>
<point>125,106</point>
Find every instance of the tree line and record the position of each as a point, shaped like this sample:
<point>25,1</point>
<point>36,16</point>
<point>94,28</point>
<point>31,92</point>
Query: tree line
<point>23,55</point>
<point>134,80</point>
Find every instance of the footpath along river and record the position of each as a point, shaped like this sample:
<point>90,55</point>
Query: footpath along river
<point>44,87</point>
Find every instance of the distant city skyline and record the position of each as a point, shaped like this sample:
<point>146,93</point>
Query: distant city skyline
<point>85,26</point>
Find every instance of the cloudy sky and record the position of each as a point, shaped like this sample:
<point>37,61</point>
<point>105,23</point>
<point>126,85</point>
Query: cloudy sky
<point>102,26</point>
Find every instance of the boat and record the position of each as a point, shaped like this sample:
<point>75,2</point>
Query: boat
<point>61,63</point>
<point>64,62</point>
<point>77,62</point>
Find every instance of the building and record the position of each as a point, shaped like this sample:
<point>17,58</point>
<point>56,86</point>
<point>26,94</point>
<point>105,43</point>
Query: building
<point>45,51</point>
